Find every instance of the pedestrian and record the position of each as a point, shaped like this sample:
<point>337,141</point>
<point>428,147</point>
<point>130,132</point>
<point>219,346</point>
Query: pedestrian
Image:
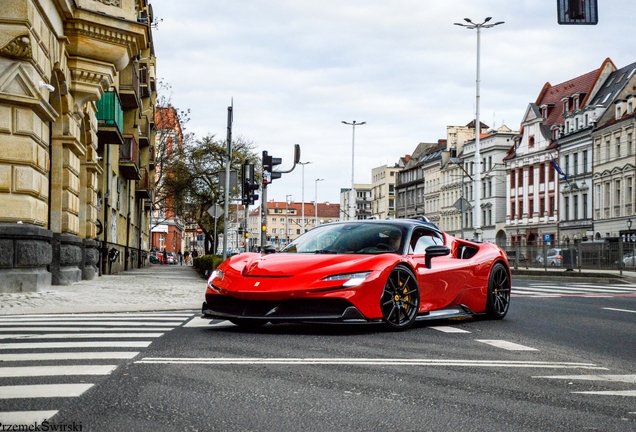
<point>165,256</point>
<point>186,255</point>
<point>180,255</point>
<point>195,253</point>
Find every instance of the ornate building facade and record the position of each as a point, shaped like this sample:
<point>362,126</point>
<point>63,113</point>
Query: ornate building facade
<point>76,137</point>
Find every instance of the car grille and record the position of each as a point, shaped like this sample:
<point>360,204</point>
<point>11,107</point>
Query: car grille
<point>286,309</point>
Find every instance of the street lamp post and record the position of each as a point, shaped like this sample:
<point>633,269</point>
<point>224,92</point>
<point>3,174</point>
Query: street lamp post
<point>287,202</point>
<point>303,225</point>
<point>316,203</point>
<point>352,198</point>
<point>477,180</point>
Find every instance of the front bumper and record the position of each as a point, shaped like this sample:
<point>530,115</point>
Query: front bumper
<point>299,310</point>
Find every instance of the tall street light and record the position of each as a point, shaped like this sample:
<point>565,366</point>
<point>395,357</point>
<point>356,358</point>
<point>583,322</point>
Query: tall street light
<point>287,203</point>
<point>352,200</point>
<point>316,203</point>
<point>477,180</point>
<point>303,225</point>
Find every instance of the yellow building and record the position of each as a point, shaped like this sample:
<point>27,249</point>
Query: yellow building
<point>77,98</point>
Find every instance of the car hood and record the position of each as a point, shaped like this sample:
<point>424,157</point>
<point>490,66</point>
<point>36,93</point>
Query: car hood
<point>292,264</point>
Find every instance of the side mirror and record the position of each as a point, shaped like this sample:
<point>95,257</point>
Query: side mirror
<point>435,251</point>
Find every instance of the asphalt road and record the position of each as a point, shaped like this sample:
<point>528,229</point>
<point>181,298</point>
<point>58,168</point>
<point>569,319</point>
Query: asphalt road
<point>560,361</point>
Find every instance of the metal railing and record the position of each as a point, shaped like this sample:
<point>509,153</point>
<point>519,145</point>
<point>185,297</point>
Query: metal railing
<point>607,254</point>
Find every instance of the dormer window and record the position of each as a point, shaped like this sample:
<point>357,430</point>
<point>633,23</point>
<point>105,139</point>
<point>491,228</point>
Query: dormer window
<point>531,141</point>
<point>566,105</point>
<point>619,111</point>
<point>630,107</point>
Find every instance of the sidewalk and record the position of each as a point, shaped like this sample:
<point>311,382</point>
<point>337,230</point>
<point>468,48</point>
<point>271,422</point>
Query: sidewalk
<point>155,288</point>
<point>556,274</point>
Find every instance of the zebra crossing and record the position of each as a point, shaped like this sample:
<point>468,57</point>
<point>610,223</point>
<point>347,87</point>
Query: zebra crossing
<point>47,357</point>
<point>574,290</point>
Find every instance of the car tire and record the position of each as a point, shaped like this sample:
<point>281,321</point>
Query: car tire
<point>247,322</point>
<point>400,300</point>
<point>498,300</point>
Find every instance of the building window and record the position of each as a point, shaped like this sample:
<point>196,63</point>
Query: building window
<point>630,190</point>
<point>531,141</point>
<point>531,175</point>
<point>520,209</point>
<point>530,207</point>
<point>551,206</point>
<point>520,179</point>
<point>541,206</point>
<point>617,192</point>
<point>598,153</point>
<point>630,148</point>
<point>512,210</point>
<point>575,203</point>
<point>607,151</point>
<point>567,164</point>
<point>550,173</point>
<point>576,163</point>
<point>541,173</point>
<point>618,147</point>
<point>512,179</point>
<point>585,206</point>
<point>566,210</point>
<point>584,161</point>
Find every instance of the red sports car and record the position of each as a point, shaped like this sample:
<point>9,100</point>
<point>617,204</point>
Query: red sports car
<point>394,271</point>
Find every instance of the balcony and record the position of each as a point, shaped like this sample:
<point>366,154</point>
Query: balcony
<point>129,88</point>
<point>144,80</point>
<point>129,159</point>
<point>110,119</point>
<point>152,158</point>
<point>144,131</point>
<point>142,187</point>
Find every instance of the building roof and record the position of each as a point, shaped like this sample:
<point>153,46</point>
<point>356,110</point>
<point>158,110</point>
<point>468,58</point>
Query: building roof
<point>551,95</point>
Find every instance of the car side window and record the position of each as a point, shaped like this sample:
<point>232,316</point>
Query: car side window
<point>421,239</point>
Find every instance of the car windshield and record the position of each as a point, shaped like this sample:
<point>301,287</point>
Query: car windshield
<point>350,238</point>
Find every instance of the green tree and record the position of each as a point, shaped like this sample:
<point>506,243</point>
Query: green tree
<point>194,180</point>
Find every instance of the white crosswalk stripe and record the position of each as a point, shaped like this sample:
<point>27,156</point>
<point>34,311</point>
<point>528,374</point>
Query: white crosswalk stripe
<point>626,379</point>
<point>94,339</point>
<point>574,290</point>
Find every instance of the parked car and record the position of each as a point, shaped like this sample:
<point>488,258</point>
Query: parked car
<point>629,260</point>
<point>513,253</point>
<point>172,259</point>
<point>393,272</point>
<point>554,257</point>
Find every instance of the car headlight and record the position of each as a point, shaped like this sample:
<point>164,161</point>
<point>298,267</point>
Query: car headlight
<point>217,274</point>
<point>352,279</point>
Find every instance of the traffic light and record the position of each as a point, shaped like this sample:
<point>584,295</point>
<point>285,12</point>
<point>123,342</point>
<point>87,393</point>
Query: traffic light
<point>269,163</point>
<point>249,184</point>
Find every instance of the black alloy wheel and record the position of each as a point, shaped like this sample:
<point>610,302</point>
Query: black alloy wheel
<point>498,292</point>
<point>400,300</point>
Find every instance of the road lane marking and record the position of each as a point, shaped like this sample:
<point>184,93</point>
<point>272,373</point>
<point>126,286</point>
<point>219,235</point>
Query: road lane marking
<point>449,329</point>
<point>38,371</point>
<point>631,393</point>
<point>199,322</point>
<point>83,329</point>
<point>22,319</point>
<point>609,378</point>
<point>43,391</point>
<point>46,345</point>
<point>90,322</point>
<point>510,346</point>
<point>620,310</point>
<point>365,361</point>
<point>25,417</point>
<point>81,336</point>
<point>175,315</point>
<point>44,356</point>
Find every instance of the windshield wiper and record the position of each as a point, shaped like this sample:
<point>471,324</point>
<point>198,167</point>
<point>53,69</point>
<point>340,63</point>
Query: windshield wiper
<point>325,251</point>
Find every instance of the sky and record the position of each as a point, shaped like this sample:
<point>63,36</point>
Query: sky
<point>294,70</point>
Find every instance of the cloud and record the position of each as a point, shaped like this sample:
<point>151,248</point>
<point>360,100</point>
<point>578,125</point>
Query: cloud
<point>295,70</point>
